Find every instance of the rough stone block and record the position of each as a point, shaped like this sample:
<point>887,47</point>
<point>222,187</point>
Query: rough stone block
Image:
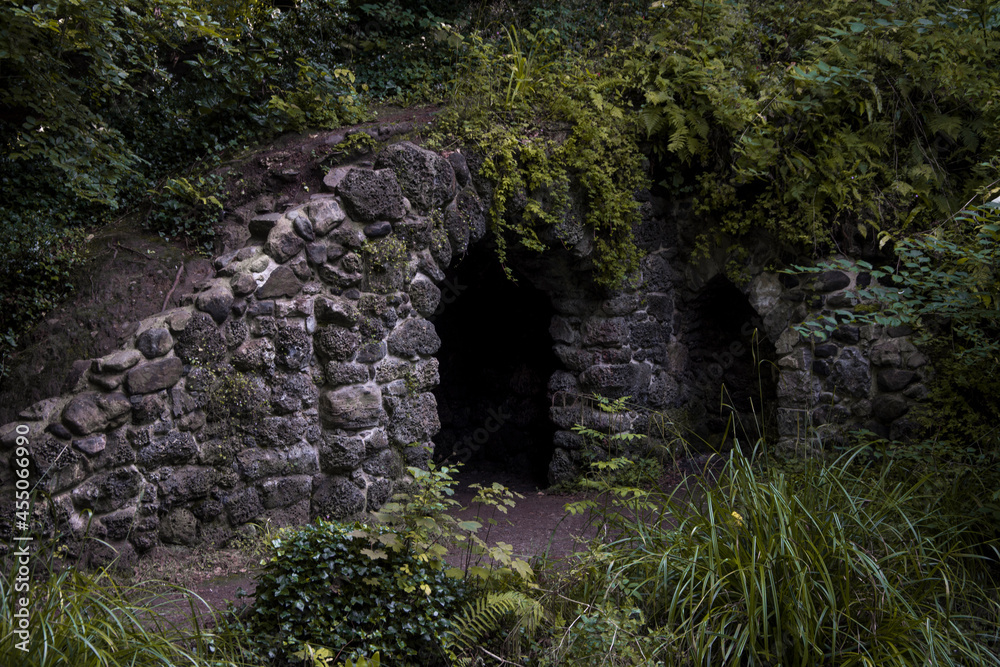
<point>413,337</point>
<point>341,453</point>
<point>262,224</point>
<point>351,407</point>
<point>258,464</point>
<point>83,416</point>
<point>424,295</point>
<point>179,527</point>
<point>886,408</point>
<point>154,342</point>
<point>281,431</point>
<point>385,463</point>
<point>201,343</point>
<point>282,241</point>
<point>154,376</point>
<point>852,373</point>
<point>293,392</point>
<point>292,347</point>
<point>412,419</point>
<point>372,195</point>
<point>341,373</point>
<point>281,282</point>
<point>335,310</point>
<point>336,497</point>
<point>831,281</point>
<point>285,491</point>
<point>93,445</point>
<point>379,492</point>
<point>326,214</point>
<point>612,332</point>
<point>216,301</point>
<point>302,225</point>
<point>107,492</point>
<point>171,449</point>
<point>425,178</point>
<point>116,362</point>
<point>336,343</point>
<point>243,506</point>
<point>254,355</point>
<point>894,379</point>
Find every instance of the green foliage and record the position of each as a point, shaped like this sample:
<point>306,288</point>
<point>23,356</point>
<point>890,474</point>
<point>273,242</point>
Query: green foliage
<point>233,397</point>
<point>423,517</point>
<point>815,123</point>
<point>333,585</point>
<point>187,209</point>
<point>384,255</point>
<point>400,49</point>
<point>546,123</point>
<point>36,273</point>
<point>961,476</point>
<point>488,615</point>
<point>65,64</point>
<point>332,591</point>
<point>102,100</point>
<point>385,264</point>
<point>358,143</point>
<point>76,617</point>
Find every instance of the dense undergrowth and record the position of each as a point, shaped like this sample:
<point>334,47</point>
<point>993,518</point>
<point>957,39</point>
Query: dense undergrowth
<point>865,558</point>
<point>832,126</point>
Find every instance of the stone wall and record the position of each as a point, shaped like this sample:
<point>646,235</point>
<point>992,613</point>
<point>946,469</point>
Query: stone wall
<point>297,381</point>
<point>858,377</point>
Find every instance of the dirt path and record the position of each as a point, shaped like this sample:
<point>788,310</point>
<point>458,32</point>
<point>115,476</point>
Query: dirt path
<point>537,525</point>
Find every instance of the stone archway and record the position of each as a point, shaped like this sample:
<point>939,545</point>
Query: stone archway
<point>328,334</point>
<point>731,361</point>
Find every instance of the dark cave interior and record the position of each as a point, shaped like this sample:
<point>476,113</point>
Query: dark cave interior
<point>495,362</point>
<point>730,358</point>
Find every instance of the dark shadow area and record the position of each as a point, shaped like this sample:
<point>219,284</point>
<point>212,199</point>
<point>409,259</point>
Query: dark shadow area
<point>496,359</point>
<point>733,363</point>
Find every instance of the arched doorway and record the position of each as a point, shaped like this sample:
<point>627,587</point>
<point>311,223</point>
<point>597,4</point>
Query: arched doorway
<point>495,362</point>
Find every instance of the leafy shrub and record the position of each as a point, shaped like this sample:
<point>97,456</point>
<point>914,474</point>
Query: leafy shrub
<point>187,209</point>
<point>729,86</point>
<point>232,396</point>
<point>543,124</point>
<point>36,272</point>
<point>334,585</point>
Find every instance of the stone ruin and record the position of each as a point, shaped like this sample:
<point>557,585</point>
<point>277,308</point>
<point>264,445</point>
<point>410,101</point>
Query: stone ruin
<point>306,375</point>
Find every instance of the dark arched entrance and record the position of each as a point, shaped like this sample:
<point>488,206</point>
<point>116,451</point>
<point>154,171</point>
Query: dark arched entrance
<point>495,361</point>
<point>732,361</point>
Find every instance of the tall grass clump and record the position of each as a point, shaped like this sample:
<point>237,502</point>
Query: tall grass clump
<point>88,619</point>
<point>836,564</point>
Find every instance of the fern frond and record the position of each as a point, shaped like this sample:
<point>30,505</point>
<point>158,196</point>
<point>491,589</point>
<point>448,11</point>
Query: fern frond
<point>485,616</point>
<point>653,119</point>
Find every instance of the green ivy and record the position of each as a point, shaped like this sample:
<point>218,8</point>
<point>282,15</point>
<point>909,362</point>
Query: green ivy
<point>332,585</point>
<point>945,285</point>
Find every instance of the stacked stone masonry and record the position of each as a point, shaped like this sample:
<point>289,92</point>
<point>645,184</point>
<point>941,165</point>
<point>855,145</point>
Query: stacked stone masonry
<point>296,382</point>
